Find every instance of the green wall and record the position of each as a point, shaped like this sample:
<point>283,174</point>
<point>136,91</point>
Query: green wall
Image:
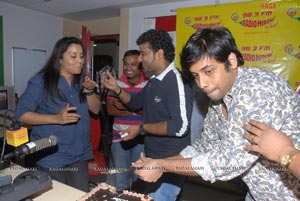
<point>1,53</point>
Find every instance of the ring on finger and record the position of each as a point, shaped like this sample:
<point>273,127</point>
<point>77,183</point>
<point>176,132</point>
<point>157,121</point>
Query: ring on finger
<point>252,139</point>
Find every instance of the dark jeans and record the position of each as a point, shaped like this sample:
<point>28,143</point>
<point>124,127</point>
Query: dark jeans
<point>75,175</point>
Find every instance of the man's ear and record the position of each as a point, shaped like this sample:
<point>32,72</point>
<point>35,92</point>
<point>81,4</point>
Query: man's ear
<point>160,54</point>
<point>232,60</point>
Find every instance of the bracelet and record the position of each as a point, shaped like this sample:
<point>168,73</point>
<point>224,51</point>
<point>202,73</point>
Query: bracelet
<point>142,131</point>
<point>88,93</point>
<point>118,94</point>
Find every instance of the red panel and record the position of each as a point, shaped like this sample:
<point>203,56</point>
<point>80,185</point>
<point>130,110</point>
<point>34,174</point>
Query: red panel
<point>83,34</point>
<point>95,132</point>
<point>167,23</point>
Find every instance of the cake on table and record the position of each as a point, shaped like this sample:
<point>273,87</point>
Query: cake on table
<point>105,192</point>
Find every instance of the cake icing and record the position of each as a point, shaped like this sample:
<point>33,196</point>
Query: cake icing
<point>105,192</point>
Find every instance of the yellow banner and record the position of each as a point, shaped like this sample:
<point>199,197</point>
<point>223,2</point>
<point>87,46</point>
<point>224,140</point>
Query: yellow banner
<point>266,32</point>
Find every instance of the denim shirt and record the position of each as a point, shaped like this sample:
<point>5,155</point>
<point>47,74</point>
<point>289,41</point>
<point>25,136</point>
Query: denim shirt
<point>73,139</point>
<point>219,152</point>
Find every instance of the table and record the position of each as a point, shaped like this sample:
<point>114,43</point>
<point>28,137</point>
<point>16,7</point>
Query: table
<point>58,191</point>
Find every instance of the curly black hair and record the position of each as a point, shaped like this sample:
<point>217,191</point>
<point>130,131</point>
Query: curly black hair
<point>158,39</point>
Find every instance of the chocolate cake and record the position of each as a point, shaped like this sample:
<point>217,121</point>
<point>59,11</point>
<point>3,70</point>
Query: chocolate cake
<point>105,192</point>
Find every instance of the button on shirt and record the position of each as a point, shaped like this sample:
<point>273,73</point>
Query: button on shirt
<point>219,153</point>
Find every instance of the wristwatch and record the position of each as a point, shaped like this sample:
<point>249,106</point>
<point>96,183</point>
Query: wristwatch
<point>142,131</point>
<point>287,158</point>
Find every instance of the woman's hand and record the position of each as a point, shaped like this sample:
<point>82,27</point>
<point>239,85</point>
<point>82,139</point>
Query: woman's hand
<point>89,85</point>
<point>68,115</point>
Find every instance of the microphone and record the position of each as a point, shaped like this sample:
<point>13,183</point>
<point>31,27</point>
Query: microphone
<point>33,147</point>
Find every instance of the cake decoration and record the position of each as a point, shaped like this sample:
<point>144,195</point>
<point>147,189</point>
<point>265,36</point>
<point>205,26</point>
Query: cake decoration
<point>105,192</point>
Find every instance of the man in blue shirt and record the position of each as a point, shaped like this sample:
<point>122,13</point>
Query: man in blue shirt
<point>167,104</point>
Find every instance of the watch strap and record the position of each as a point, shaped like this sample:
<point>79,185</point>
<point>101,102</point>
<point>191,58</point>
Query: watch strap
<point>287,159</point>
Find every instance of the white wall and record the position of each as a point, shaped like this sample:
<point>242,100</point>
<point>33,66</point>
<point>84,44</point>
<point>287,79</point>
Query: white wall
<point>137,15</point>
<point>27,29</point>
<point>34,30</point>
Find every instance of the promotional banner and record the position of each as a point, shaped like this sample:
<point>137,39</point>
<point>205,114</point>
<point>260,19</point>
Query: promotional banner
<point>166,23</point>
<point>266,32</point>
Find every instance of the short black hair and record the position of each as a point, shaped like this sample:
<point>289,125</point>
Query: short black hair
<point>158,39</point>
<point>131,52</point>
<point>216,43</point>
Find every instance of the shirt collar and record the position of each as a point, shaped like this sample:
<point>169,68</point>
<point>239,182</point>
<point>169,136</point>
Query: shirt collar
<point>163,74</point>
<point>63,80</point>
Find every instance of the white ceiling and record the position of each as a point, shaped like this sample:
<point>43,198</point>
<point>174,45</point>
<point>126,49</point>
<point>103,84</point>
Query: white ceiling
<point>81,10</point>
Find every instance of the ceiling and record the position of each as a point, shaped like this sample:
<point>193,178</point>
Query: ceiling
<point>81,10</point>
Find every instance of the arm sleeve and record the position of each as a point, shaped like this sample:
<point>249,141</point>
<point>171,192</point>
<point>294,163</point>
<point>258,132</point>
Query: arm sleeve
<point>136,101</point>
<point>31,97</point>
<point>179,105</point>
